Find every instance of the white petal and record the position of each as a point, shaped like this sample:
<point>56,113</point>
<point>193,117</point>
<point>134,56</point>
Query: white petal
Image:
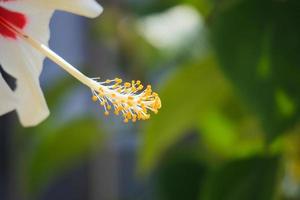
<point>25,64</point>
<point>17,60</point>
<point>88,8</point>
<point>7,99</point>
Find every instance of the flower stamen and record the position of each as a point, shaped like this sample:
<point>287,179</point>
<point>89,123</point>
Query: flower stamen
<point>129,98</point>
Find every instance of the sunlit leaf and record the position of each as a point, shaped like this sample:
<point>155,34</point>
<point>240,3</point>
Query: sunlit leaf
<point>230,131</point>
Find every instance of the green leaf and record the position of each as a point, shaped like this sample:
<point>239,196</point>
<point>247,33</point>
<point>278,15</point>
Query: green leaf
<point>198,96</point>
<point>252,178</point>
<point>56,150</point>
<point>181,174</point>
<point>257,45</point>
<point>190,89</point>
<point>229,131</point>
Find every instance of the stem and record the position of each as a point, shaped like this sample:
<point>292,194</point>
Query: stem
<point>46,51</point>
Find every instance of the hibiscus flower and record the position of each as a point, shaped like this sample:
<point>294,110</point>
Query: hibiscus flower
<point>24,33</point>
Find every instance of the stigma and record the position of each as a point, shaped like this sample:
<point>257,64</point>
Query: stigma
<point>130,99</point>
<point>10,17</point>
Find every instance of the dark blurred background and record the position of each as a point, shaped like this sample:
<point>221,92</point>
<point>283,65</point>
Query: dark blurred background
<point>228,74</point>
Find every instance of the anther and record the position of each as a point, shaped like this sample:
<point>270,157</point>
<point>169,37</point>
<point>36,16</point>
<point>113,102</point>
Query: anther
<point>128,99</point>
<point>94,98</point>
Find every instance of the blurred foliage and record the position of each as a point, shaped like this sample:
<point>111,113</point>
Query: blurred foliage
<point>147,7</point>
<point>55,150</point>
<point>181,165</point>
<point>229,125</point>
<point>198,96</point>
<point>120,38</point>
<point>56,146</point>
<point>251,178</point>
<point>241,113</point>
<point>257,44</point>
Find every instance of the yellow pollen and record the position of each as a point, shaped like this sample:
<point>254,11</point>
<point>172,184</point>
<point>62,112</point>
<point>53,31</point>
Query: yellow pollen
<point>157,103</point>
<point>130,103</point>
<point>118,80</point>
<point>127,85</point>
<point>95,98</point>
<point>140,87</point>
<point>128,115</point>
<point>120,108</point>
<point>128,98</point>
